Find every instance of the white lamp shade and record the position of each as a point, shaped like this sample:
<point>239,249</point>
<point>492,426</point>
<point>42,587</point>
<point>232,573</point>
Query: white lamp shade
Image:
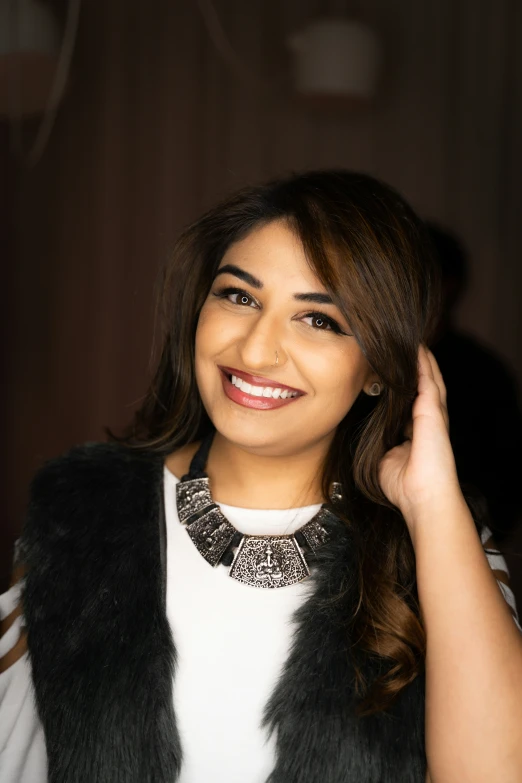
<point>29,46</point>
<point>336,57</point>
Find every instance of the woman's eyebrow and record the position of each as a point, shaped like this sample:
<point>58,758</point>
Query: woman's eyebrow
<point>232,269</point>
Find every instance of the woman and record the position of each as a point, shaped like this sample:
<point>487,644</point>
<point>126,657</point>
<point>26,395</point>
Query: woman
<point>320,608</point>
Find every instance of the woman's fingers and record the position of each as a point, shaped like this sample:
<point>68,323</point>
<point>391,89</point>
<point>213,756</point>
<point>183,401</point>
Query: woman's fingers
<point>437,376</point>
<point>431,388</point>
<point>430,374</point>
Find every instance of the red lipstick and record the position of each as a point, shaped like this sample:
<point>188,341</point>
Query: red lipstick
<point>258,380</point>
<point>248,400</point>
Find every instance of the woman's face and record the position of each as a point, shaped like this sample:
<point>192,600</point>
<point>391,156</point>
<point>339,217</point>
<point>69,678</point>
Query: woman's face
<point>265,298</point>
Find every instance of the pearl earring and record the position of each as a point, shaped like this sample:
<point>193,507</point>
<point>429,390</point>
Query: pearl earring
<point>375,390</point>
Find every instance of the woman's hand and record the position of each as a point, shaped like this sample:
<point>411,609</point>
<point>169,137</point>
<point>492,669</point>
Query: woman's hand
<point>421,471</point>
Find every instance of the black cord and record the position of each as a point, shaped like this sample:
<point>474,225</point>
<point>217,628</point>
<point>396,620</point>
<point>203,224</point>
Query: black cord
<point>200,458</point>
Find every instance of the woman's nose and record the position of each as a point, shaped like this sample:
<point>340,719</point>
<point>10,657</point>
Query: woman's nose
<point>258,348</point>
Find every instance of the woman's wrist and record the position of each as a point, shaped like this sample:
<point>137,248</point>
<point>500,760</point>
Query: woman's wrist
<point>427,514</point>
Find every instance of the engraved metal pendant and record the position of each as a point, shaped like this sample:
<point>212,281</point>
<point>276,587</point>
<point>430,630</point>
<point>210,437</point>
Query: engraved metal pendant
<point>269,561</point>
<point>212,534</point>
<point>315,532</point>
<point>192,496</point>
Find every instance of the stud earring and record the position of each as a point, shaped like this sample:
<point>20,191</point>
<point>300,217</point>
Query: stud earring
<point>374,390</point>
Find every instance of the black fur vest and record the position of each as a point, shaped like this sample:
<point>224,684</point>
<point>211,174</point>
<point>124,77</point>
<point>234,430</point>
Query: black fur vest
<point>103,658</point>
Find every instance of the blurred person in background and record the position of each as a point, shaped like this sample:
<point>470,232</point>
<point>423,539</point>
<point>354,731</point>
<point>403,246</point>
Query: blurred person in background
<point>274,575</point>
<point>483,398</point>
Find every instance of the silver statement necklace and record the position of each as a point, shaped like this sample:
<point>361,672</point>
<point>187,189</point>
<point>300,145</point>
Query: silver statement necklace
<point>259,561</point>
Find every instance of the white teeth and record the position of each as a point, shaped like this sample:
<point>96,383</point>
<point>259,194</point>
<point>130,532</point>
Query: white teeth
<point>261,391</point>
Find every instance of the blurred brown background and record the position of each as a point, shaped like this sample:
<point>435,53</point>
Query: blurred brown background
<point>156,125</point>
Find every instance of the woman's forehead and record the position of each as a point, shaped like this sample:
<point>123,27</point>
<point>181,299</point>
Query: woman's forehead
<point>272,250</point>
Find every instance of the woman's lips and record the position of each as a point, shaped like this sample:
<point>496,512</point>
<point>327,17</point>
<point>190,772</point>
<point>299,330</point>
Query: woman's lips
<point>249,401</point>
<point>257,380</point>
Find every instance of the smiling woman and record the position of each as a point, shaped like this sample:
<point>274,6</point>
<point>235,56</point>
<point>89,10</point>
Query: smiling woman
<point>273,575</point>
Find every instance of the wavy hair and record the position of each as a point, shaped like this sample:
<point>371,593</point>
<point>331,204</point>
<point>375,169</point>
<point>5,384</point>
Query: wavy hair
<point>373,256</point>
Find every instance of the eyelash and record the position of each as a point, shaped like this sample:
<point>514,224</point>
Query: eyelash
<point>223,293</point>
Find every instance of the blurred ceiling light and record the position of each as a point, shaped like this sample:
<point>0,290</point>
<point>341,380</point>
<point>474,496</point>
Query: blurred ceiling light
<point>336,59</point>
<point>29,50</point>
<point>35,60</point>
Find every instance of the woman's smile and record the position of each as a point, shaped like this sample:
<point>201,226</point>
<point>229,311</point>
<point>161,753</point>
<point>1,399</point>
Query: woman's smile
<point>240,387</point>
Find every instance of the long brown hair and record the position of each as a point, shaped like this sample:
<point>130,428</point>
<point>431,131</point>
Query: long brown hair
<point>372,254</point>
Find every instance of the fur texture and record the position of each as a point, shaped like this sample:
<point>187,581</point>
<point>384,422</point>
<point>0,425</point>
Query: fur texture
<point>312,710</point>
<point>99,641</point>
<point>103,658</point>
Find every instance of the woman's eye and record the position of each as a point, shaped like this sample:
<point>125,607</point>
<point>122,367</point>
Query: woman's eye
<point>319,322</point>
<point>323,323</point>
<point>235,296</point>
<point>242,299</point>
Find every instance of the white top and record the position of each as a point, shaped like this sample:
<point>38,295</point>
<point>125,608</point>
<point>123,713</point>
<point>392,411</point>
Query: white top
<point>232,641</point>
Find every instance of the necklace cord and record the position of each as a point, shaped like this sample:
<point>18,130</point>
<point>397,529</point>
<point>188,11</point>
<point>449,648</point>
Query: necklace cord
<point>199,460</point>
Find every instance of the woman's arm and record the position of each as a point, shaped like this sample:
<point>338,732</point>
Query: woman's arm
<point>23,757</point>
<point>10,612</point>
<point>474,653</point>
<point>474,648</point>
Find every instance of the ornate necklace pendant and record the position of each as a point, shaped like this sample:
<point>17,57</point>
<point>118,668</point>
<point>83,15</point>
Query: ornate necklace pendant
<point>269,561</point>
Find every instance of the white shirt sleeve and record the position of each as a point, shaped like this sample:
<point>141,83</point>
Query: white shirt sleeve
<point>498,563</point>
<point>23,757</point>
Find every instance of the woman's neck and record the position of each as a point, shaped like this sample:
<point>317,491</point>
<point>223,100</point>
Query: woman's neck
<point>239,477</point>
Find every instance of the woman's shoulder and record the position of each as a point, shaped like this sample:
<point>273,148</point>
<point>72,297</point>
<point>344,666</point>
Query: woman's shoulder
<point>96,462</point>
<point>77,491</point>
<point>91,465</point>
<point>88,455</point>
